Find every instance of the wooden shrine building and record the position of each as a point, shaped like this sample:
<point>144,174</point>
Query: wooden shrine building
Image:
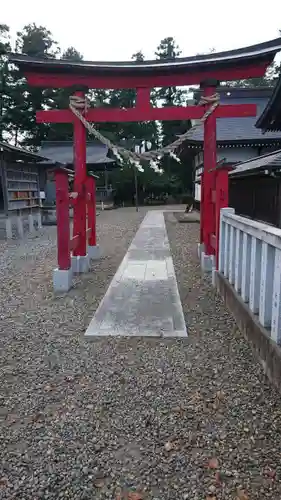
<point>255,185</point>
<point>255,188</point>
<point>20,202</point>
<point>270,118</point>
<point>61,153</point>
<point>238,139</point>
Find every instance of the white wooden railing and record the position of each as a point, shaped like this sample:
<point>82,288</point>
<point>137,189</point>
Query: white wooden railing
<point>250,259</point>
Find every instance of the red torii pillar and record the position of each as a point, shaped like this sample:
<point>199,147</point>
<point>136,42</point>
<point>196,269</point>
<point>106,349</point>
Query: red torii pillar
<point>208,185</point>
<point>83,244</point>
<point>144,111</point>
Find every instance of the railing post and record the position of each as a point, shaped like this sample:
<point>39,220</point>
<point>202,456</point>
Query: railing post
<point>224,240</point>
<point>238,260</point>
<point>266,284</point>
<point>255,275</point>
<point>276,302</point>
<point>246,265</point>
<point>202,220</point>
<point>221,244</point>
<point>226,250</point>
<point>221,202</point>
<point>231,255</point>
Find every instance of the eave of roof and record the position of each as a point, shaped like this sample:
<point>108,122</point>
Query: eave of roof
<point>231,58</point>
<point>4,146</point>
<point>230,92</point>
<point>269,162</point>
<point>238,143</point>
<point>61,153</point>
<point>270,119</point>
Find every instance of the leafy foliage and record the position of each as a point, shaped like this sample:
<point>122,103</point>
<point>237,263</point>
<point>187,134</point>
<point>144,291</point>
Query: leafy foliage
<point>172,96</point>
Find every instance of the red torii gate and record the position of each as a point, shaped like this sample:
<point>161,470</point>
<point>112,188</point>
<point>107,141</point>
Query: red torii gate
<point>207,70</point>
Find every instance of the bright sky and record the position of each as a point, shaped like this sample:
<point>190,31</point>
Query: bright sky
<point>114,30</point>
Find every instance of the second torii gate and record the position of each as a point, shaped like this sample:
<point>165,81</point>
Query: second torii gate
<point>207,70</point>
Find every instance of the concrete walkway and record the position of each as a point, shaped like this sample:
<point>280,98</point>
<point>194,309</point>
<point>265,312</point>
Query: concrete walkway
<point>143,297</point>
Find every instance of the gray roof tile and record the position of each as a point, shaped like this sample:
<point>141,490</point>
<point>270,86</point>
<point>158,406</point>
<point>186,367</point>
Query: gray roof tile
<point>235,129</point>
<point>62,152</point>
<point>268,161</point>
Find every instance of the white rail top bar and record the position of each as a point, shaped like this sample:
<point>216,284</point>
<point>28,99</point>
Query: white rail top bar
<point>269,234</point>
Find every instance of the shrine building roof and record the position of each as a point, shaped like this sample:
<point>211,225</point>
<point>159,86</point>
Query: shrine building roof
<point>20,153</point>
<point>240,131</point>
<point>268,163</point>
<point>61,152</point>
<point>248,61</point>
<point>270,118</point>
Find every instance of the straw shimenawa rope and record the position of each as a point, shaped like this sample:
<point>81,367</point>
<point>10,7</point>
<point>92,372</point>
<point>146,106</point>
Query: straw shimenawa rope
<point>80,105</point>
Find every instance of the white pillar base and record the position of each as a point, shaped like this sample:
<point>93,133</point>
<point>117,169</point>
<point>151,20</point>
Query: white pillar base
<point>200,249</point>
<point>207,262</point>
<point>94,252</point>
<point>62,280</point>
<point>214,273</point>
<point>39,220</point>
<point>31,223</point>
<point>20,226</point>
<point>9,232</point>
<point>80,263</point>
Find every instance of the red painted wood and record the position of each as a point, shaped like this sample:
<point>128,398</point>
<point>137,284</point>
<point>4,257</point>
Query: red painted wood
<point>79,155</point>
<point>63,231</point>
<point>74,242</point>
<point>91,189</point>
<point>213,241</point>
<point>201,208</point>
<point>56,80</point>
<point>143,99</point>
<point>210,161</point>
<point>221,202</point>
<point>146,114</point>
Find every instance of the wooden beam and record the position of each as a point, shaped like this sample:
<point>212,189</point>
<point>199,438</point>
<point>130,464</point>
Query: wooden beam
<point>58,80</point>
<point>99,115</point>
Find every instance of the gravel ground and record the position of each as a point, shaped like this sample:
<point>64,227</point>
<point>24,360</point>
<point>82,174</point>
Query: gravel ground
<point>134,419</point>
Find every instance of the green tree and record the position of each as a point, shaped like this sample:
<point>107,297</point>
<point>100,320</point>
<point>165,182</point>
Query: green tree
<point>36,41</point>
<point>5,48</point>
<point>138,56</point>
<point>23,101</point>
<point>5,39</point>
<point>60,100</point>
<point>172,96</point>
<point>130,135</point>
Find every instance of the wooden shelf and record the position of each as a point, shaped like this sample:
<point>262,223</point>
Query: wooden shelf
<point>22,187</point>
<point>23,208</point>
<point>23,199</point>
<point>24,182</point>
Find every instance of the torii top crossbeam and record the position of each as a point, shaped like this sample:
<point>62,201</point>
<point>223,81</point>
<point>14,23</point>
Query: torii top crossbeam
<point>248,62</point>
